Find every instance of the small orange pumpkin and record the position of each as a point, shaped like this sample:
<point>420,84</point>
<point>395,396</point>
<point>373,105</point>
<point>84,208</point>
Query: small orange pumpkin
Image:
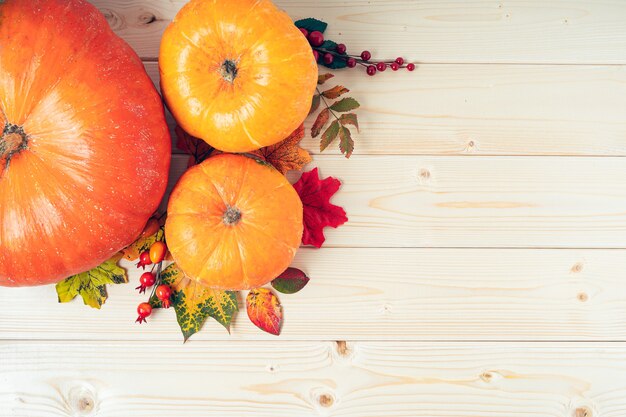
<point>233,223</point>
<point>236,73</point>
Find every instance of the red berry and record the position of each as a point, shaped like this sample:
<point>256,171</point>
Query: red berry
<point>341,48</point>
<point>316,38</point>
<point>400,60</point>
<point>163,293</point>
<point>328,58</point>
<point>394,66</point>
<point>147,279</point>
<point>316,55</point>
<point>158,250</point>
<point>381,66</point>
<point>351,62</point>
<point>371,70</point>
<point>144,260</point>
<point>366,56</point>
<point>144,310</point>
<point>410,67</point>
<point>304,32</point>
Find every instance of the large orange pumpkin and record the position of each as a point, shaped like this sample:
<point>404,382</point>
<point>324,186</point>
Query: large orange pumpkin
<point>84,147</point>
<point>233,223</point>
<point>236,73</point>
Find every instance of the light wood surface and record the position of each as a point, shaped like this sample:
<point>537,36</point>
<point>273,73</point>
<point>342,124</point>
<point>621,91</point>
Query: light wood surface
<point>290,379</point>
<point>470,110</point>
<point>431,31</point>
<point>380,294</point>
<point>415,201</point>
<point>481,273</point>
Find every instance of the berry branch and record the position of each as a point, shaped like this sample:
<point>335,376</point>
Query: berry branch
<point>335,56</point>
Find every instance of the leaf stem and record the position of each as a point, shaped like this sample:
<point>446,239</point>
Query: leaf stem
<point>326,103</point>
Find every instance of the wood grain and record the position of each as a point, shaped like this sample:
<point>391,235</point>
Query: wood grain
<point>413,201</point>
<point>485,110</point>
<point>379,294</point>
<point>312,379</point>
<point>472,31</point>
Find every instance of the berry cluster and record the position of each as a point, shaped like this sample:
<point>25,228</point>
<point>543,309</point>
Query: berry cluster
<point>328,53</point>
<point>154,256</point>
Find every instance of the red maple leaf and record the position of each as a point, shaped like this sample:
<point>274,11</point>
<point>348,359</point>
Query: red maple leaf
<point>318,211</point>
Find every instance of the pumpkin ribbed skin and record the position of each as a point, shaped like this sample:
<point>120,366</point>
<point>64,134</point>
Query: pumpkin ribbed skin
<point>236,73</point>
<point>233,223</point>
<point>84,147</point>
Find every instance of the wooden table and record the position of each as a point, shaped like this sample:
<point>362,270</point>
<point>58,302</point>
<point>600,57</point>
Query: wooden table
<point>483,270</point>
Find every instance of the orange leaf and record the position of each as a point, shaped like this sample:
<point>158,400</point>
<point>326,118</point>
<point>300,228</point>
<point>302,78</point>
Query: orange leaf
<point>286,155</point>
<point>264,310</point>
<point>323,78</point>
<point>349,119</point>
<point>335,92</point>
<point>320,122</point>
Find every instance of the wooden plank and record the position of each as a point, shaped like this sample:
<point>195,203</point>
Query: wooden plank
<point>486,110</point>
<point>312,379</point>
<point>412,201</point>
<point>376,294</point>
<point>473,31</point>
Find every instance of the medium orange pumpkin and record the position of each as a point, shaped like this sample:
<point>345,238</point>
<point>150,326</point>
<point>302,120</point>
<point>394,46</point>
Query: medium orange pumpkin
<point>236,73</point>
<point>84,147</point>
<point>233,223</point>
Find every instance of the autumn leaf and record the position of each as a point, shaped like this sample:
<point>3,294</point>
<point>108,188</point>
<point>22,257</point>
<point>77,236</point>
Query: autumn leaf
<point>196,147</point>
<point>91,285</point>
<point>194,303</point>
<point>329,135</point>
<point>349,119</point>
<point>320,122</point>
<point>345,105</point>
<point>318,211</point>
<point>291,281</point>
<point>264,310</point>
<point>315,104</point>
<point>322,78</point>
<point>346,144</point>
<point>286,155</point>
<point>132,252</point>
<point>335,92</point>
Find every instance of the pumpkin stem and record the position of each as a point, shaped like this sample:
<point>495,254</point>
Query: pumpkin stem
<point>13,140</point>
<point>229,70</point>
<point>231,217</point>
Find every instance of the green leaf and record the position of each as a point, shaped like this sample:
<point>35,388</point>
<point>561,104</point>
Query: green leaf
<point>291,281</point>
<point>338,63</point>
<point>349,119</point>
<point>320,122</point>
<point>335,92</point>
<point>311,24</point>
<point>194,303</point>
<point>329,135</point>
<point>91,285</point>
<point>322,78</point>
<point>315,103</point>
<point>346,144</point>
<point>328,45</point>
<point>345,104</point>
